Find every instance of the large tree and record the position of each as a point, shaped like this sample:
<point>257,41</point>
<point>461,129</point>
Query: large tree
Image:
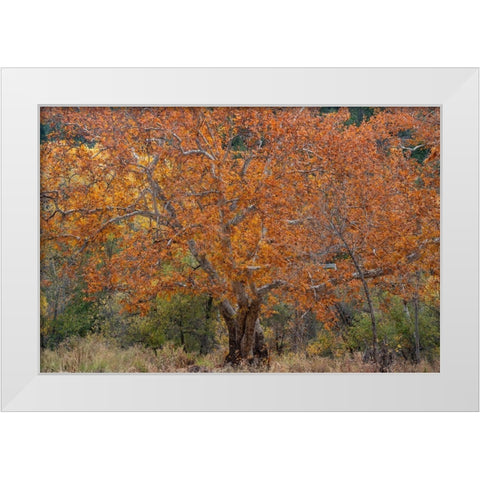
<point>213,200</point>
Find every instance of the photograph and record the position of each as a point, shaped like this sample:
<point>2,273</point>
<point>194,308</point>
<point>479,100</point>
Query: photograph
<point>239,239</point>
<point>239,229</point>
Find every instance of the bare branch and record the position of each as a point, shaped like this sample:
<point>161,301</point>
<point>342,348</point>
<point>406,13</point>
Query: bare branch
<point>270,286</point>
<point>203,261</point>
<point>197,151</point>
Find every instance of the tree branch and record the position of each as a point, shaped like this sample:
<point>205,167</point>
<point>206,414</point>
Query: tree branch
<point>270,286</point>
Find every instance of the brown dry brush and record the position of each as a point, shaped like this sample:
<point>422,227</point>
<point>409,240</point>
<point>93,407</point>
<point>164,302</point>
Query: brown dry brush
<point>94,354</point>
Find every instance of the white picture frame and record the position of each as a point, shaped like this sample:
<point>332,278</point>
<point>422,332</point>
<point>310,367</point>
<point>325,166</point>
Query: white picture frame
<point>455,388</point>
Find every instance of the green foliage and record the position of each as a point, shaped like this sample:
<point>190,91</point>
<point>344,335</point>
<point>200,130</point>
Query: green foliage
<point>54,131</point>
<point>420,154</point>
<point>186,321</point>
<point>395,330</point>
<point>359,335</point>
<point>359,115</point>
<point>429,327</point>
<point>289,330</point>
<point>326,344</point>
<point>277,326</point>
<point>76,320</point>
<point>45,130</point>
<point>238,144</point>
<point>327,110</point>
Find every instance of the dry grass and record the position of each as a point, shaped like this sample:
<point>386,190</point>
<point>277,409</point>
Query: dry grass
<point>94,354</point>
<point>301,363</point>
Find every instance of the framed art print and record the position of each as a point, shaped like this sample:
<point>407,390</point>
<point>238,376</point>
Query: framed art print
<point>240,239</point>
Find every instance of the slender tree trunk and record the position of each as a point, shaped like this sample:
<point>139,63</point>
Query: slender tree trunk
<point>417,332</point>
<point>55,314</point>
<point>204,339</point>
<point>372,318</point>
<point>361,274</point>
<point>417,328</point>
<point>182,339</point>
<point>406,310</point>
<point>371,311</point>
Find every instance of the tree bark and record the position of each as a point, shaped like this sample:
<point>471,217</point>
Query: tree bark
<point>246,341</point>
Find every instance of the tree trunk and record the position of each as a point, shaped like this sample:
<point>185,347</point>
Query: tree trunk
<point>417,332</point>
<point>371,310</point>
<point>204,338</point>
<point>417,329</point>
<point>246,341</point>
<point>182,339</point>
<point>361,274</point>
<point>373,320</point>
<point>260,350</point>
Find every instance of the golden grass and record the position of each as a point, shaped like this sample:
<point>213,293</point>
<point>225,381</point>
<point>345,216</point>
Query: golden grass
<point>94,354</point>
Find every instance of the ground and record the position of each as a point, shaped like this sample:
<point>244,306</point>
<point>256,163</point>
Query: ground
<point>96,355</point>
